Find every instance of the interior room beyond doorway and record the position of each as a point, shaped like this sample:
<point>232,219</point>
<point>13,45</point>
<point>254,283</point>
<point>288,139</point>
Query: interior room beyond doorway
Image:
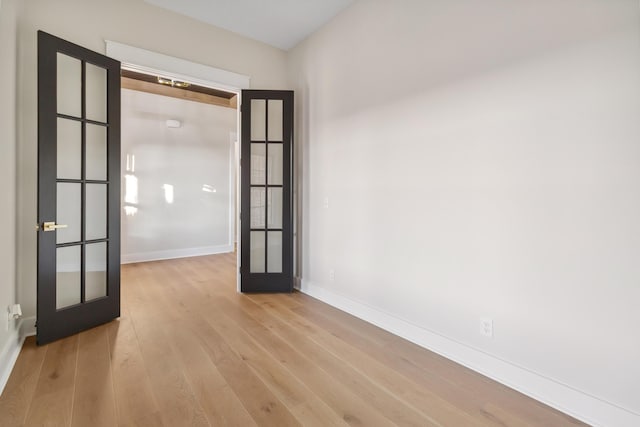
<point>179,166</point>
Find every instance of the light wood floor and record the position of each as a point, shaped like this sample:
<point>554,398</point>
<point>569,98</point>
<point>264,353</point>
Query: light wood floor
<point>190,351</point>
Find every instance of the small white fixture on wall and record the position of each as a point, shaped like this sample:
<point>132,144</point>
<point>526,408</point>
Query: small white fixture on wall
<point>174,123</point>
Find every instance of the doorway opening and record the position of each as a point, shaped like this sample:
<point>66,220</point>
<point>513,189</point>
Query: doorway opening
<point>80,209</point>
<point>176,69</point>
<point>180,166</point>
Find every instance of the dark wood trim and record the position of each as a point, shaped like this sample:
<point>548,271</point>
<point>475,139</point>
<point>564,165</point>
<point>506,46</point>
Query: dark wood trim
<point>176,92</point>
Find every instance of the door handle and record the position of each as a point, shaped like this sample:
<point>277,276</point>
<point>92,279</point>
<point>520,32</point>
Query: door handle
<point>52,226</point>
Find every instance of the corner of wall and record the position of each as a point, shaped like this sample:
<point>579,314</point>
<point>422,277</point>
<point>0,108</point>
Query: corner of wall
<point>9,340</point>
<point>580,405</point>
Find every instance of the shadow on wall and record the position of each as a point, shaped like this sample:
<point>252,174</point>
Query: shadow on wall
<point>442,42</point>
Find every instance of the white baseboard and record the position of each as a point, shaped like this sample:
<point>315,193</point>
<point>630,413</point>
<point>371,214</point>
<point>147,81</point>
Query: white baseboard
<point>28,326</point>
<point>174,253</point>
<point>580,405</point>
<point>9,354</point>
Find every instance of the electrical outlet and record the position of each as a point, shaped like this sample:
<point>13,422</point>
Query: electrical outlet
<point>325,203</point>
<point>486,327</point>
<point>332,275</point>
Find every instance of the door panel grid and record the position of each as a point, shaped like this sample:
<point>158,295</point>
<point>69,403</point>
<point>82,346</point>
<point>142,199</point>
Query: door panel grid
<point>78,188</point>
<point>266,259</point>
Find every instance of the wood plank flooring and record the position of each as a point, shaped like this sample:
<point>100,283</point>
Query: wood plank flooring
<point>190,351</point>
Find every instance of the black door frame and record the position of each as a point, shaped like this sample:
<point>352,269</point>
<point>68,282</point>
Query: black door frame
<point>266,282</point>
<point>52,323</point>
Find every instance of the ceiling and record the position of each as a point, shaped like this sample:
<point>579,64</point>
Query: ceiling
<point>280,23</point>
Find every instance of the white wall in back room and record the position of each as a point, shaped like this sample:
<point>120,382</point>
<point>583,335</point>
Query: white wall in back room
<point>175,181</point>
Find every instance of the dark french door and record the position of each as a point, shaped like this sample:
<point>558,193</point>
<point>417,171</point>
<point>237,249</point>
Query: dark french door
<point>78,188</point>
<point>266,222</point>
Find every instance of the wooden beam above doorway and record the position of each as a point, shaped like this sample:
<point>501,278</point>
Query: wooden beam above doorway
<point>146,83</point>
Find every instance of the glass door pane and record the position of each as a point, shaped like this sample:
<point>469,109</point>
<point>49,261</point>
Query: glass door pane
<point>69,212</point>
<point>69,158</point>
<point>274,252</point>
<point>258,119</point>
<point>274,208</point>
<point>258,164</point>
<point>95,272</point>
<point>96,152</point>
<point>274,164</point>
<point>257,252</point>
<point>68,283</point>
<point>96,211</point>
<point>257,208</point>
<point>275,120</point>
<point>69,85</point>
<point>96,93</point>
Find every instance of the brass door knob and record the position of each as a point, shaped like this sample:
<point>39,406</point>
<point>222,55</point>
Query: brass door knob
<point>52,226</point>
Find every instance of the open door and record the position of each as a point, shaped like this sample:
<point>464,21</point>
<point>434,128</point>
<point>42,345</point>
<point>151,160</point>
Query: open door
<point>78,188</point>
<point>266,208</point>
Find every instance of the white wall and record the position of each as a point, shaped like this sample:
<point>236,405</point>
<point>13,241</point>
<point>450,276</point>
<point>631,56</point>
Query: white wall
<point>195,160</point>
<point>482,159</point>
<point>133,22</point>
<point>8,294</point>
